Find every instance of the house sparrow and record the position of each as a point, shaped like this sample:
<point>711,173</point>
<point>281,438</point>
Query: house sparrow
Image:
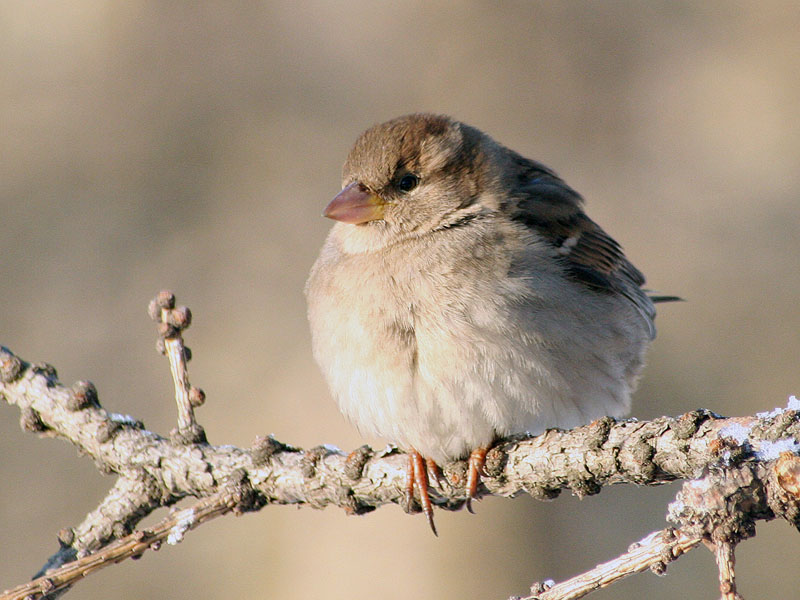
<point>463,296</point>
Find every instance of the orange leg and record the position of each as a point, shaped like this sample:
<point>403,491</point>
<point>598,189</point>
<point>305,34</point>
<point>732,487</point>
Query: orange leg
<point>417,474</point>
<point>475,468</point>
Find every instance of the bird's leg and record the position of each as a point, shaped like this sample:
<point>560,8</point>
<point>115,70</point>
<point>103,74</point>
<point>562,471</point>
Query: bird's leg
<point>417,473</point>
<point>475,468</point>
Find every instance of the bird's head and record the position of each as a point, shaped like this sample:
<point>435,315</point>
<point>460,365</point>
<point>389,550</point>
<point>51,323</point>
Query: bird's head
<point>413,175</point>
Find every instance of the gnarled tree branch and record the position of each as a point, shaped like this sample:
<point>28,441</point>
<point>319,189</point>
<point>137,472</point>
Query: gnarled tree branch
<point>740,470</point>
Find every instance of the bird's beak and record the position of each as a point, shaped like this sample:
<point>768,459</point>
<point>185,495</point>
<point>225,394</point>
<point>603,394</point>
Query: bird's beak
<point>355,204</point>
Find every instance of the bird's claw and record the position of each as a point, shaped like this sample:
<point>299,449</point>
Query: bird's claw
<point>477,458</point>
<point>417,474</point>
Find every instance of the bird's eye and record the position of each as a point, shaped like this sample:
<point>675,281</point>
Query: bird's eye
<point>407,182</point>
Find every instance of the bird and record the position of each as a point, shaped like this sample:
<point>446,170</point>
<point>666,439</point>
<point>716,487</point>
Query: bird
<point>463,295</point>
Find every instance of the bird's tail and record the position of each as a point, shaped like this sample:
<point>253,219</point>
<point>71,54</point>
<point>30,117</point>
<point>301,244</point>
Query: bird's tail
<point>659,298</point>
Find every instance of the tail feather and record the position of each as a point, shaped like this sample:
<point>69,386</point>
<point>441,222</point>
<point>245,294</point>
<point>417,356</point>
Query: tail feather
<point>666,298</point>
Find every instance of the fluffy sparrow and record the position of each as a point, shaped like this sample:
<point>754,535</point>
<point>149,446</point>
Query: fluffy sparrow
<point>463,295</point>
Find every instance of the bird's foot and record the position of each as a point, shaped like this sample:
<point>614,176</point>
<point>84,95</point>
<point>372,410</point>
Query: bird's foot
<point>477,458</point>
<point>420,470</point>
<point>417,474</point>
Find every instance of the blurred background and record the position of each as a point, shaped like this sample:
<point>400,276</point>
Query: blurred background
<point>192,146</point>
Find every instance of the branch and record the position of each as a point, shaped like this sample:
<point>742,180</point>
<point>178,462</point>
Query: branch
<point>171,322</point>
<point>170,530</point>
<point>723,552</point>
<point>156,472</point>
<point>652,552</point>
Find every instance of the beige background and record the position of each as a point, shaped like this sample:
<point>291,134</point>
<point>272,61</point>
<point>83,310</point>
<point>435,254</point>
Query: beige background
<point>193,145</point>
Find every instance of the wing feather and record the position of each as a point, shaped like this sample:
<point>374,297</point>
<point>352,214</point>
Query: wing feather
<point>591,257</point>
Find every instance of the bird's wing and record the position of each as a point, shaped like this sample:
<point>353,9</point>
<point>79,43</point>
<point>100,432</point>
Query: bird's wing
<point>547,205</point>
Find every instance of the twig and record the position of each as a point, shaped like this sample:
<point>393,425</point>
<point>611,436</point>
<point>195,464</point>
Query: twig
<point>725,563</point>
<point>171,530</point>
<point>652,552</point>
<point>172,322</point>
<point>177,364</point>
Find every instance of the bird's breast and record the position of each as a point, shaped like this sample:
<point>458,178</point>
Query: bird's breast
<point>412,343</point>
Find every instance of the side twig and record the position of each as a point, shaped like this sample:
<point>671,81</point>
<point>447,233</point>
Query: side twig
<point>171,322</point>
<point>723,552</point>
<point>652,552</point>
<point>171,530</point>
